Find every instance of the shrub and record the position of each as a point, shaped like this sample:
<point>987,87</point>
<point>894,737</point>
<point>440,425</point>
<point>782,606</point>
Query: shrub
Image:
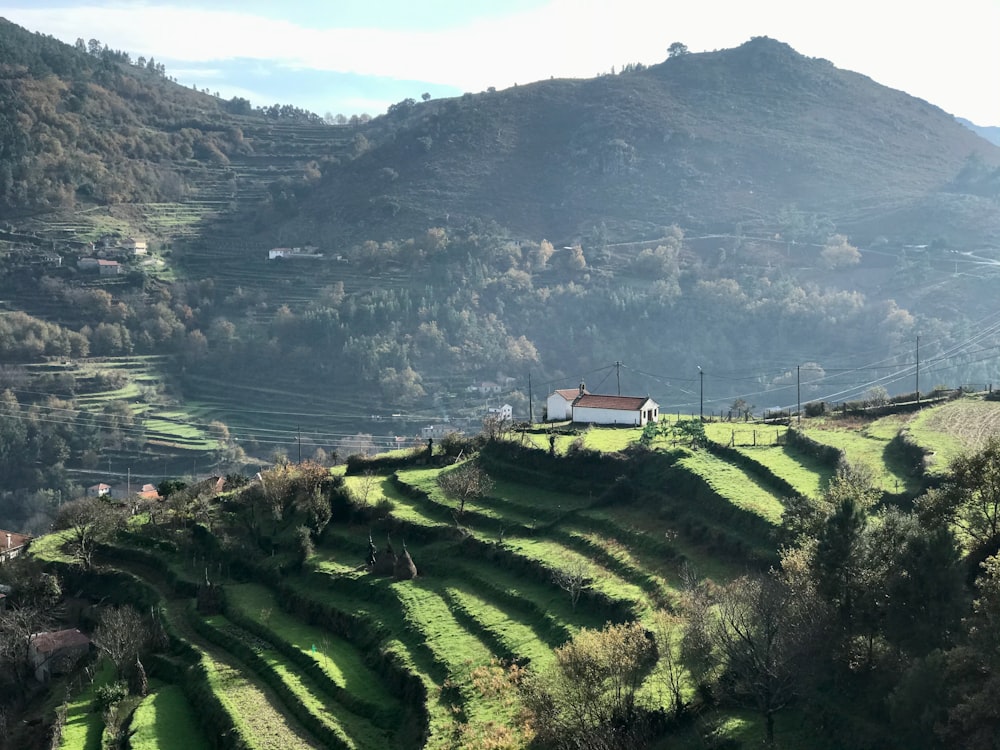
<point>107,695</point>
<point>815,408</point>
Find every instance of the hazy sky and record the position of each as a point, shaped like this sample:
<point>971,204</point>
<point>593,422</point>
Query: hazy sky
<point>353,56</point>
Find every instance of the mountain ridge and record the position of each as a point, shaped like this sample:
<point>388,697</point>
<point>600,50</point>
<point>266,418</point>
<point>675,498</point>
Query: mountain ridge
<point>703,140</point>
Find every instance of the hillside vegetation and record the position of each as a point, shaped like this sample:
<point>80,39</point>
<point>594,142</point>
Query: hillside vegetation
<point>377,608</point>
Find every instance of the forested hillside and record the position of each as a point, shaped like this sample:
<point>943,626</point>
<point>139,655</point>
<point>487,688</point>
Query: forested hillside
<point>719,224</point>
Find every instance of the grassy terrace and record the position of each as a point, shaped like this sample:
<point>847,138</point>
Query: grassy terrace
<point>164,721</point>
<point>808,476</point>
<point>346,728</point>
<point>339,660</point>
<point>403,642</point>
<point>84,725</point>
<point>868,445</point>
<point>736,485</point>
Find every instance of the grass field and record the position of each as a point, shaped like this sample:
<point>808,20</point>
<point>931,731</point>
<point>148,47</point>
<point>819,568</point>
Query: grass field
<point>734,484</point>
<point>867,444</point>
<point>954,428</point>
<point>164,721</point>
<point>84,725</point>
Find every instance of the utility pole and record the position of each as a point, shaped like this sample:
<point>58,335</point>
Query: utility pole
<point>701,394</point>
<point>918,372</point>
<point>531,412</point>
<point>798,391</point>
<point>618,373</point>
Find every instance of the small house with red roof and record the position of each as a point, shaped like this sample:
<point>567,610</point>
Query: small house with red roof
<point>57,652</point>
<point>580,405</point>
<point>12,544</point>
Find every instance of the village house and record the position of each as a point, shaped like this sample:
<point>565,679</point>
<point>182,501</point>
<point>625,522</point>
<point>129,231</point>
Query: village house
<point>504,413</point>
<point>99,490</point>
<point>293,253</point>
<point>12,544</point>
<point>109,267</point>
<point>135,246</point>
<point>437,431</point>
<point>148,492</point>
<point>88,264</point>
<point>57,652</point>
<point>590,408</point>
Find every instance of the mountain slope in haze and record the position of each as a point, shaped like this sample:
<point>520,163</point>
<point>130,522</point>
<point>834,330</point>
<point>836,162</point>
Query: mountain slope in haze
<point>989,132</point>
<point>706,141</point>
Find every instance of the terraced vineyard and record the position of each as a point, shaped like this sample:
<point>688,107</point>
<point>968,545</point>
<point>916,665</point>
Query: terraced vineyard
<point>326,652</point>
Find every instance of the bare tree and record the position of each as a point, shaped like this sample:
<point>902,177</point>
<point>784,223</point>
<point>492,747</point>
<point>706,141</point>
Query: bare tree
<point>764,636</point>
<point>90,522</point>
<point>670,674</point>
<point>574,577</point>
<point>17,628</point>
<point>122,634</point>
<point>365,485</point>
<point>466,482</point>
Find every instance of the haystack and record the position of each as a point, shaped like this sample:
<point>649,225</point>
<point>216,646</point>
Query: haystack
<point>385,563</point>
<point>405,569</point>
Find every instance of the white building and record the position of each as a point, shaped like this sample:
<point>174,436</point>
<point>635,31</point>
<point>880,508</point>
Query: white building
<point>559,404</point>
<point>135,247</point>
<point>579,405</point>
<point>615,410</point>
<point>505,412</point>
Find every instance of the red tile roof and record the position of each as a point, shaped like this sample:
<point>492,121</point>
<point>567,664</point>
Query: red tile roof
<point>45,643</point>
<point>16,540</point>
<point>619,403</point>
<point>569,393</point>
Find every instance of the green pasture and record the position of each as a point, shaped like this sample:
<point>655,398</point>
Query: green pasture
<point>84,725</point>
<point>351,730</point>
<point>734,484</point>
<point>165,721</point>
<point>253,709</point>
<point>869,446</point>
<point>338,659</point>
<point>50,547</point>
<point>807,475</point>
<point>954,428</point>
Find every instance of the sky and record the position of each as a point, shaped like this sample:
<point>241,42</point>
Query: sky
<point>360,56</point>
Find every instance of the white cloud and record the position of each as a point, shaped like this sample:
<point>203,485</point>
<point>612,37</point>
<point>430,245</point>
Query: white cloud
<point>944,53</point>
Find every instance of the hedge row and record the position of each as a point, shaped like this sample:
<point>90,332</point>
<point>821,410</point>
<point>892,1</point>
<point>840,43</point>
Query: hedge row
<point>781,486</point>
<point>181,667</point>
<point>368,636</point>
<point>829,455</point>
<point>238,647</point>
<point>576,471</point>
<point>309,666</point>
